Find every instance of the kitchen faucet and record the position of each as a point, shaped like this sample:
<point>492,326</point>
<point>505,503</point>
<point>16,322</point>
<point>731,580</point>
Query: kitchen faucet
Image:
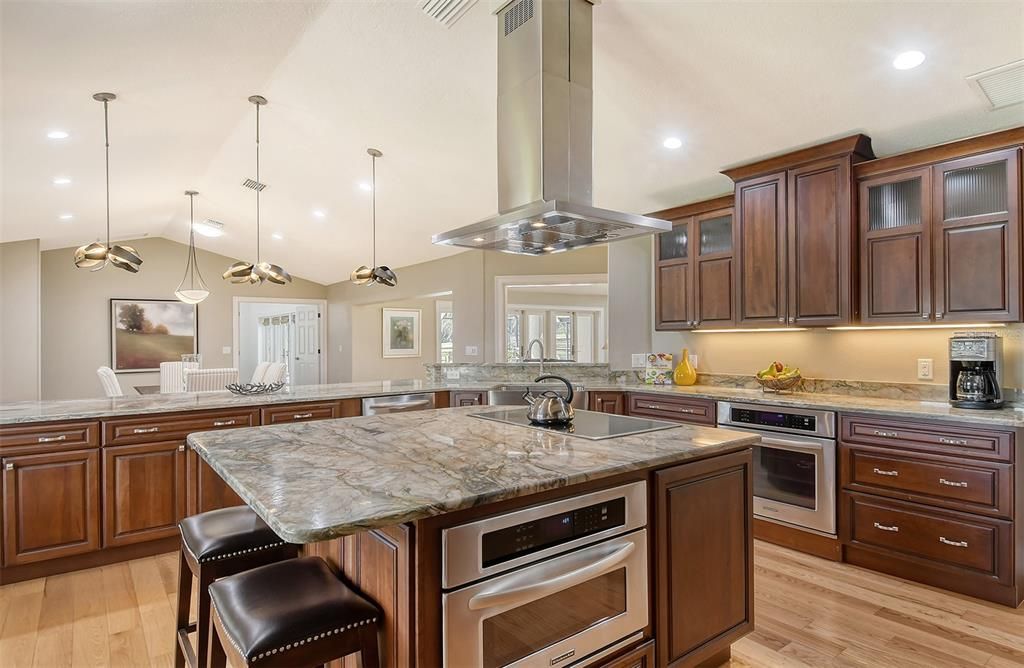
<point>529,347</point>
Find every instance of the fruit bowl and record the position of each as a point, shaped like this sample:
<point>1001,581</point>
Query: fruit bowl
<point>769,384</point>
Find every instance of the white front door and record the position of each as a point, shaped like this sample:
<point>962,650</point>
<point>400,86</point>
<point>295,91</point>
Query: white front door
<point>307,345</point>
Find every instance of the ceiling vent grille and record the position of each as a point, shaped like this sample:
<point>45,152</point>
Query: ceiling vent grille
<point>254,185</point>
<point>1001,86</point>
<point>446,12</point>
<point>517,15</point>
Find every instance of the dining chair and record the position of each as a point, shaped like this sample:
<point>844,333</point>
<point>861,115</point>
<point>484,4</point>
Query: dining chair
<point>108,379</point>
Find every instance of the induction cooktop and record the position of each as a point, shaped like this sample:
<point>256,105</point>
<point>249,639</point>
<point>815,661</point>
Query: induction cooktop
<point>587,424</point>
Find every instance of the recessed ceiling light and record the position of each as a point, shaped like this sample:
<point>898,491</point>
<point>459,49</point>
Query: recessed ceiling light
<point>57,134</point>
<point>319,213</point>
<point>672,142</point>
<point>61,180</point>
<point>479,239</point>
<point>209,228</point>
<point>276,236</point>
<point>539,223</point>
<point>66,216</point>
<point>908,60</point>
<point>365,187</point>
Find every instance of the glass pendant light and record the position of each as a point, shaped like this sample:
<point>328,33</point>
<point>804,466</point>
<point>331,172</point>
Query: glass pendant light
<point>192,288</point>
<point>370,275</point>
<point>248,272</point>
<point>95,256</point>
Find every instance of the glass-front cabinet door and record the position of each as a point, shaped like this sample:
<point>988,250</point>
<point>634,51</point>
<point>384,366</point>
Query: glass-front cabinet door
<point>977,238</point>
<point>714,270</point>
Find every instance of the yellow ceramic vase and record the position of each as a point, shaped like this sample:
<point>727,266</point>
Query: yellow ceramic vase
<point>684,374</point>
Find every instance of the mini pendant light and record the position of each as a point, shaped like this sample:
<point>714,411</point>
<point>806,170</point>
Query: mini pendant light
<point>192,288</point>
<point>366,275</point>
<point>97,255</point>
<point>247,272</point>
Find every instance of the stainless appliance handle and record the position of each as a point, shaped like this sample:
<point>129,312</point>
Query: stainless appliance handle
<point>799,445</point>
<point>550,584</point>
<point>403,404</point>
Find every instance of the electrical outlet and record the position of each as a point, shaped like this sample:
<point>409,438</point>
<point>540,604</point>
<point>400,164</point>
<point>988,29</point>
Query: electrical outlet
<point>451,374</point>
<point>472,351</point>
<point>693,361</point>
<point>925,370</point>
<point>226,350</point>
<point>638,360</point>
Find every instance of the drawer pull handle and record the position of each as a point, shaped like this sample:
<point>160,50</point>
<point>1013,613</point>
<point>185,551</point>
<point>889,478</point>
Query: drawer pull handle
<point>952,441</point>
<point>302,416</point>
<point>953,483</point>
<point>673,409</point>
<point>887,434</point>
<point>223,423</point>
<point>892,473</point>
<point>140,430</point>
<point>51,439</point>
<point>893,528</point>
<point>954,543</point>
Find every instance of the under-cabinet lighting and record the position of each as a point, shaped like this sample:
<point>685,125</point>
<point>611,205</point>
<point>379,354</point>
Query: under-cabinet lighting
<point>858,328</point>
<point>744,330</point>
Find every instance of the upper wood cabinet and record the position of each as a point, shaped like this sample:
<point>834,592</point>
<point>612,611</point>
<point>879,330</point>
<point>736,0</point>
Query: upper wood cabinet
<point>794,237</point>
<point>941,242</point>
<point>693,280</point>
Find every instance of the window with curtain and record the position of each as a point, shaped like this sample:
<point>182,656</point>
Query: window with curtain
<point>445,333</point>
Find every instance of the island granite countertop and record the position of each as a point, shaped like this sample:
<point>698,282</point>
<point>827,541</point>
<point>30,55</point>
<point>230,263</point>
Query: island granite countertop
<point>314,481</point>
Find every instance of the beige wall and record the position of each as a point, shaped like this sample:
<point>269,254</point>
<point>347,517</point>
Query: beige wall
<point>19,320</point>
<point>76,312</point>
<point>367,340</point>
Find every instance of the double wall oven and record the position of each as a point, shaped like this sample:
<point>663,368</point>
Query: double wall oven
<point>794,465</point>
<point>559,584</point>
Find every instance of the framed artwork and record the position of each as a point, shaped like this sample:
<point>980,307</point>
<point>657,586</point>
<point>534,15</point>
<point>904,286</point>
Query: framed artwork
<point>401,328</point>
<point>146,332</point>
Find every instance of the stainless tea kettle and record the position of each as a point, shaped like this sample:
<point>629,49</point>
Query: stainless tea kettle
<point>549,407</point>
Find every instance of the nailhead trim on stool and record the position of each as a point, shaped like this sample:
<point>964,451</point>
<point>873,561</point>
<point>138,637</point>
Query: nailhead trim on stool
<point>229,554</point>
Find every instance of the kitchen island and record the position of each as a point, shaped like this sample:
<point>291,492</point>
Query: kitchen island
<point>373,496</point>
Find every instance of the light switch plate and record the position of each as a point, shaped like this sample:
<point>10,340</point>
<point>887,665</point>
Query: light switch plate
<point>472,351</point>
<point>226,350</point>
<point>925,369</point>
<point>638,360</point>
<point>451,374</point>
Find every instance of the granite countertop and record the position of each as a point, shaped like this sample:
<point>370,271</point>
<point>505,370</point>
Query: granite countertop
<point>313,481</point>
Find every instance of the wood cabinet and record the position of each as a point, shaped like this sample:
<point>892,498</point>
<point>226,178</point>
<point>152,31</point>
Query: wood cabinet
<point>207,490</point>
<point>322,410</point>
<point>794,237</point>
<point>942,242</point>
<point>144,492</point>
<point>468,399</point>
<point>665,406</point>
<point>704,589</point>
<point>638,657</point>
<point>175,427</point>
<point>37,438</point>
<point>608,402</point>
<point>51,505</point>
<point>694,266</point>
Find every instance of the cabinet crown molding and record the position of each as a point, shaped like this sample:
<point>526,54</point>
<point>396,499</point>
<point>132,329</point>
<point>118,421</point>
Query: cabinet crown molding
<point>695,208</point>
<point>858,145</point>
<point>959,148</point>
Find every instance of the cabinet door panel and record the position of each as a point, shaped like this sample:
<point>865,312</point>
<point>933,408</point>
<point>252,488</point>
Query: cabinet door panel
<point>51,506</point>
<point>608,402</point>
<point>760,249</point>
<point>714,290</point>
<point>673,296</point>
<point>977,238</point>
<point>894,280</point>
<point>143,491</point>
<point>819,243</point>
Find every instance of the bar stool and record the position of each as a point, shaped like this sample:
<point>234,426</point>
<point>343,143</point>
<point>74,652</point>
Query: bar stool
<point>292,613</point>
<point>216,544</point>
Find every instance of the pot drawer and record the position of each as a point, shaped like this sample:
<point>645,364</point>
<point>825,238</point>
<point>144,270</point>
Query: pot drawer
<point>948,439</point>
<point>952,539</point>
<point>952,483</point>
<point>324,410</point>
<point>667,407</point>
<point>49,437</point>
<point>125,431</point>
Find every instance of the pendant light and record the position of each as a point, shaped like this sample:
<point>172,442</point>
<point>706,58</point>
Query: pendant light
<point>247,272</point>
<point>192,288</point>
<point>366,275</point>
<point>97,255</point>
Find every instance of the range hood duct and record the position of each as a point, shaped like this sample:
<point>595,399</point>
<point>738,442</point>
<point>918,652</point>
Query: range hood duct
<point>545,148</point>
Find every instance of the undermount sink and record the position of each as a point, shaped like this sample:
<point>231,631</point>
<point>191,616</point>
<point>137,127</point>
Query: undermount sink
<point>512,395</point>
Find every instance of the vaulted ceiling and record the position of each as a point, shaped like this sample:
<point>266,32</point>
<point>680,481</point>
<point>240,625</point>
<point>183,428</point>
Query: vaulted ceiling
<point>733,80</point>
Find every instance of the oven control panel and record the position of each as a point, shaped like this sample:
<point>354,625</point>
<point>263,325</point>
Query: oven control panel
<point>774,419</point>
<point>526,537</point>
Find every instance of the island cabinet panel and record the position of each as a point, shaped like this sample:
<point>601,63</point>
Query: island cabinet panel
<point>144,492</point>
<point>158,428</point>
<point>704,593</point>
<point>638,657</point>
<point>206,489</point>
<point>760,243</point>
<point>38,438</point>
<point>667,407</point>
<point>608,402</point>
<point>51,505</point>
<point>468,399</point>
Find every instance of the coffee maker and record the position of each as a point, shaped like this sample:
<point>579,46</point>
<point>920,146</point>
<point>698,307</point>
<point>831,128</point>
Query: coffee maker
<point>975,370</point>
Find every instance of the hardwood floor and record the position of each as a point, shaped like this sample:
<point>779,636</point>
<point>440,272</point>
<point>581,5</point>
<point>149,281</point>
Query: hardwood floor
<point>810,612</point>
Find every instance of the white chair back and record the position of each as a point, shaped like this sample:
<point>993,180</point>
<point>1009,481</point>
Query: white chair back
<point>275,373</point>
<point>108,379</point>
<point>209,380</point>
<point>260,372</point>
<point>172,378</point>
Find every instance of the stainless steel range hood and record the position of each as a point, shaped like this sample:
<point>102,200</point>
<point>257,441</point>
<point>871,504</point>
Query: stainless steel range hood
<point>545,118</point>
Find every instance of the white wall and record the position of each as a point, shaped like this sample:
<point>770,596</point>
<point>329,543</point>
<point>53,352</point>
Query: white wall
<point>19,321</point>
<point>367,339</point>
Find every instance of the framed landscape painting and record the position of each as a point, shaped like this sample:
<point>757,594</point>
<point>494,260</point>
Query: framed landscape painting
<point>146,332</point>
<point>401,329</point>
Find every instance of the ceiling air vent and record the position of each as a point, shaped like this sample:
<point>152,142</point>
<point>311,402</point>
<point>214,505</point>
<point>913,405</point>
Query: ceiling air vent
<point>517,15</point>
<point>254,185</point>
<point>1001,86</point>
<point>446,12</point>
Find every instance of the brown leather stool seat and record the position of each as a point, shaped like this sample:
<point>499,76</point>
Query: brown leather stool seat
<point>216,544</point>
<point>291,613</point>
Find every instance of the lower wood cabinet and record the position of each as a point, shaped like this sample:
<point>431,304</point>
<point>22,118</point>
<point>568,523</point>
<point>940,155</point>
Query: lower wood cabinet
<point>207,490</point>
<point>704,589</point>
<point>144,492</point>
<point>608,402</point>
<point>666,406</point>
<point>51,505</point>
<point>638,657</point>
<point>468,399</point>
